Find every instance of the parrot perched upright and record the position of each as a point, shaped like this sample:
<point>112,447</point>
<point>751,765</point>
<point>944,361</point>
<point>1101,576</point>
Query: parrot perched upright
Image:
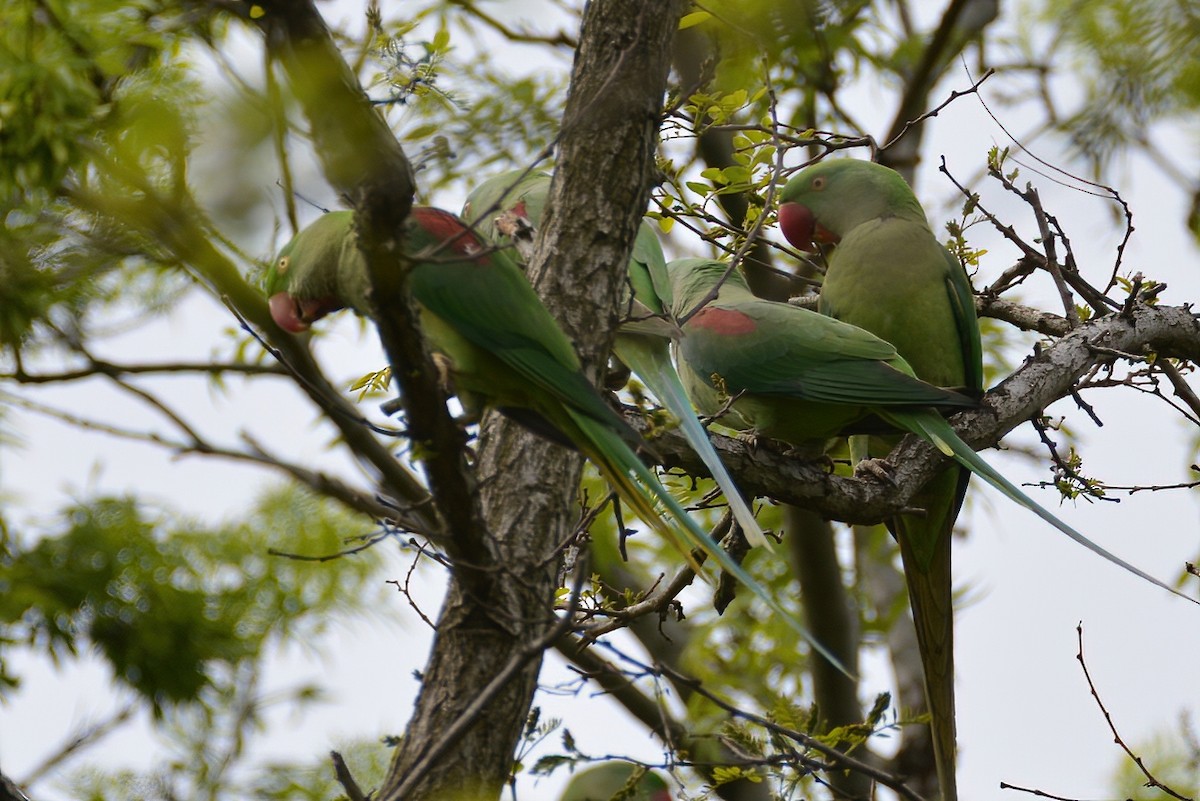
<point>517,199</point>
<point>611,780</point>
<point>500,347</point>
<point>889,275</point>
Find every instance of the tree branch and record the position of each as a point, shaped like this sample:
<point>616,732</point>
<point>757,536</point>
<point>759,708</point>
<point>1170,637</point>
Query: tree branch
<point>363,160</point>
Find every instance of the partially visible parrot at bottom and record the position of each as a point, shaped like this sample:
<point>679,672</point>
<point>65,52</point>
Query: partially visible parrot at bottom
<point>616,780</point>
<point>518,198</point>
<point>499,346</point>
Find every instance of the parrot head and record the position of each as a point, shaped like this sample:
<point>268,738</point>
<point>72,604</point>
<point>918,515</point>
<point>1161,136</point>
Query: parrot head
<point>825,201</point>
<point>321,270</point>
<point>612,779</point>
<point>301,285</point>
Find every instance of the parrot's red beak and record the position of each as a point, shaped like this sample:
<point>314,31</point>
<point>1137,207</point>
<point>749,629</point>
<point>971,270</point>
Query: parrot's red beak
<point>285,311</point>
<point>800,227</point>
<point>295,316</point>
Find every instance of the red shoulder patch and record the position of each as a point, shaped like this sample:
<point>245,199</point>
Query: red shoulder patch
<point>723,321</point>
<point>445,227</point>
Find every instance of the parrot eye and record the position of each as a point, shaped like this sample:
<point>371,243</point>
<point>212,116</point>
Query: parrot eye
<point>818,183</point>
<point>283,264</point>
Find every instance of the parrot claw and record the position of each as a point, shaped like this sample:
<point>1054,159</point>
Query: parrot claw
<point>879,469</point>
<point>517,228</point>
<point>445,370</point>
<point>750,438</point>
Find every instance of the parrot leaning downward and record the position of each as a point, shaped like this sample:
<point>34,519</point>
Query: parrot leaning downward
<point>500,347</point>
<point>888,274</point>
<point>511,205</point>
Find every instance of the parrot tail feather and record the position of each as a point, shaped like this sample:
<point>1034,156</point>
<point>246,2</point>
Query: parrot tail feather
<point>931,426</point>
<point>659,374</point>
<point>621,465</point>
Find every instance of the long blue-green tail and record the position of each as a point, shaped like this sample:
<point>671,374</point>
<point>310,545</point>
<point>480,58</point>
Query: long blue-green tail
<point>651,361</point>
<point>936,430</point>
<point>638,487</point>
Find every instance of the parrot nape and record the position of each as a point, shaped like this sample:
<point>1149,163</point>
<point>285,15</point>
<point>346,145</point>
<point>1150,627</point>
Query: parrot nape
<point>888,274</point>
<point>518,199</point>
<point>500,346</point>
<point>616,780</point>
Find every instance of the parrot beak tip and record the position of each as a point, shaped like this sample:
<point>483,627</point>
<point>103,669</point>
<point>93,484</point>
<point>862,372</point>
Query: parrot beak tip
<point>285,311</point>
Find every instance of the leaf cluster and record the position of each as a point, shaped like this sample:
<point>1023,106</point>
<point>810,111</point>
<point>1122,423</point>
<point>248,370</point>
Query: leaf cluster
<point>173,605</point>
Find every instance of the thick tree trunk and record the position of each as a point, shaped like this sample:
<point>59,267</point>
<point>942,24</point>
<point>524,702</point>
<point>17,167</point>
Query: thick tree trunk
<point>459,743</point>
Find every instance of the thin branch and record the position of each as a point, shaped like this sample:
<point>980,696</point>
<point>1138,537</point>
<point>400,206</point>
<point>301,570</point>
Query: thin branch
<point>648,711</point>
<point>98,366</point>
<point>1137,760</point>
<point>933,112</point>
<point>80,740</point>
<point>1038,793</point>
<point>560,39</point>
<point>345,778</point>
<point>1104,191</point>
<point>1182,390</point>
<point>316,480</point>
<point>889,780</point>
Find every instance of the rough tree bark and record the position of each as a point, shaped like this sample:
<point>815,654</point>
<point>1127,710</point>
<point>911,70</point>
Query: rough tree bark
<point>454,746</point>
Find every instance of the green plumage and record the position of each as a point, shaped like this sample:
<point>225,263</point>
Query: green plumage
<point>796,375</point>
<point>802,377</point>
<point>616,780</point>
<point>888,274</point>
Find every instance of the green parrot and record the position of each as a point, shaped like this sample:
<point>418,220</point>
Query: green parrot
<point>499,347</point>
<point>889,275</point>
<point>504,206</point>
<point>792,374</point>
<point>611,780</point>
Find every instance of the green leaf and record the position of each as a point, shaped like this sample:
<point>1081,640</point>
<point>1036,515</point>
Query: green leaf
<point>693,19</point>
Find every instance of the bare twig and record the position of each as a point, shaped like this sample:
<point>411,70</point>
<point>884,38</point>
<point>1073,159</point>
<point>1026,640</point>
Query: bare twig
<point>559,39</point>
<point>80,740</point>
<point>1038,793</point>
<point>100,366</point>
<point>933,112</point>
<point>345,778</point>
<point>1182,390</point>
<point>836,757</point>
<point>1137,760</point>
